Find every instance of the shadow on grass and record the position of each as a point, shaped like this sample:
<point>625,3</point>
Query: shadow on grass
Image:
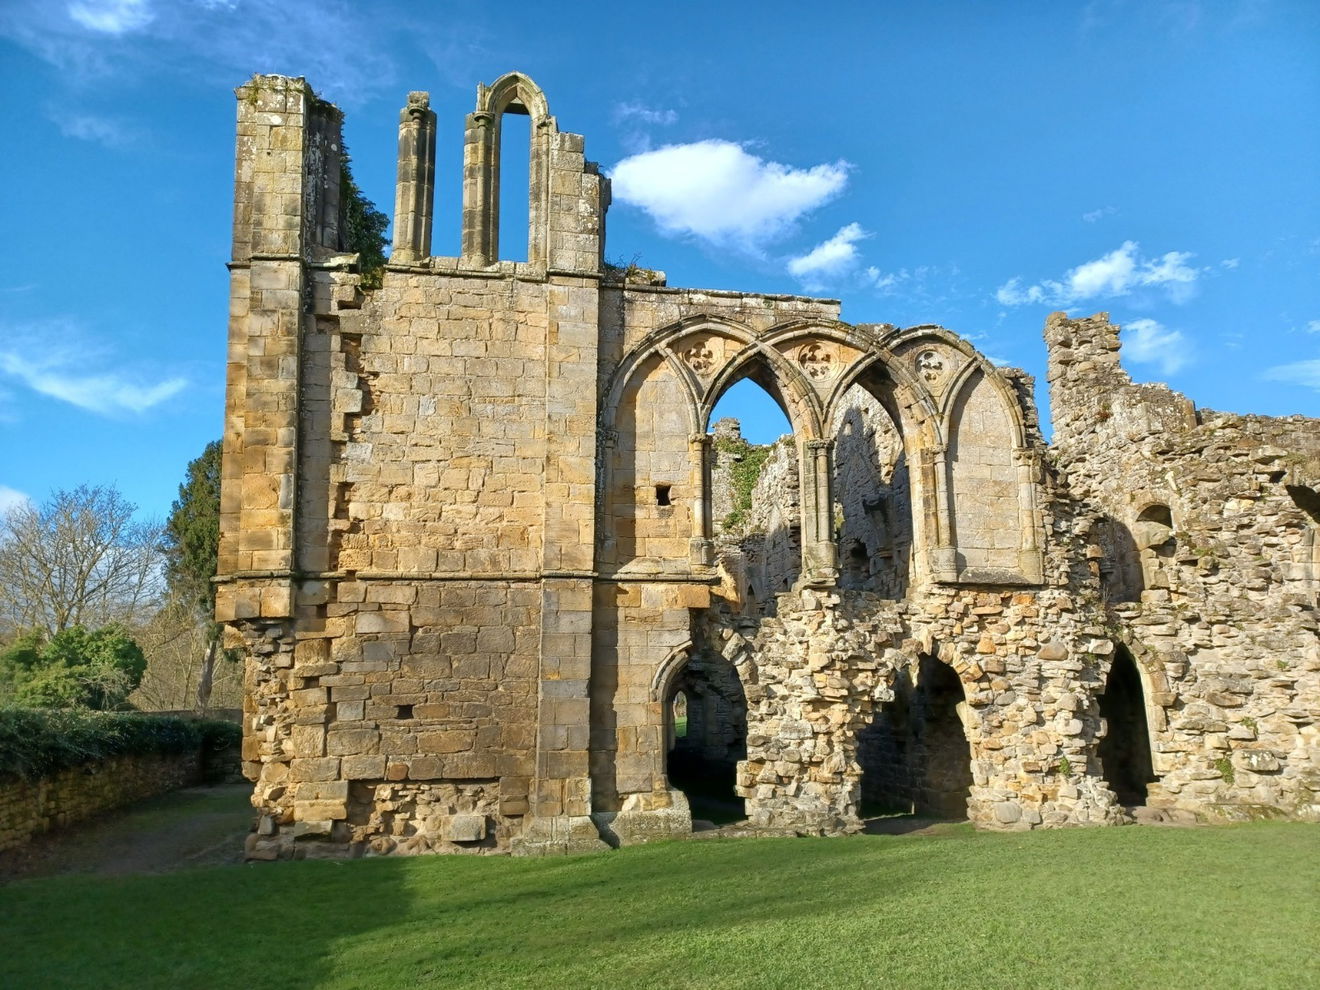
<point>194,826</point>
<point>254,925</point>
<point>1068,909</point>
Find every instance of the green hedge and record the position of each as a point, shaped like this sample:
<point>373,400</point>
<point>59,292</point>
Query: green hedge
<point>37,742</point>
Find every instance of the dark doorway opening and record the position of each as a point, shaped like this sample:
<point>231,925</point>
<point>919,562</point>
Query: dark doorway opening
<point>914,756</point>
<point>1125,748</point>
<point>707,714</point>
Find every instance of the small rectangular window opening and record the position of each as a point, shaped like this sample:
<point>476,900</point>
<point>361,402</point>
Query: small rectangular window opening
<point>403,711</point>
<point>662,495</point>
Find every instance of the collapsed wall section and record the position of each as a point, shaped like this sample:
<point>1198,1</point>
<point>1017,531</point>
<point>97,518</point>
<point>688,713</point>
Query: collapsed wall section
<point>1204,542</point>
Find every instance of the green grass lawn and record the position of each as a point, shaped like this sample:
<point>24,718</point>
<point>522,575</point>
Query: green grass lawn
<point>1168,908</point>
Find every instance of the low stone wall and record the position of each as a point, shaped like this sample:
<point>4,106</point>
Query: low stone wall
<point>28,808</point>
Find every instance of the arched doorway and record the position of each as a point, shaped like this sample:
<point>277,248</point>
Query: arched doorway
<point>914,756</point>
<point>1125,747</point>
<point>706,715</point>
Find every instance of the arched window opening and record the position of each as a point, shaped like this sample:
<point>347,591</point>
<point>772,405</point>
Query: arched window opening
<point>1124,748</point>
<point>914,756</point>
<point>754,491</point>
<point>703,757</point>
<point>513,178</point>
<point>872,497</point>
<point>759,417</point>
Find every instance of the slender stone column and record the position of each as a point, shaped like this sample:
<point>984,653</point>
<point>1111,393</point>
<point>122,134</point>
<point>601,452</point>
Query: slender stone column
<point>820,555</point>
<point>702,552</point>
<point>481,190</point>
<point>1029,556</point>
<point>415,191</point>
<point>944,558</point>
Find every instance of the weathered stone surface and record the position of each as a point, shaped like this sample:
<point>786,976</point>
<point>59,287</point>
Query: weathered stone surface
<point>479,548</point>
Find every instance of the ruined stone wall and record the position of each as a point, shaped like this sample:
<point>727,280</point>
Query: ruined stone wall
<point>1204,528</point>
<point>472,541</point>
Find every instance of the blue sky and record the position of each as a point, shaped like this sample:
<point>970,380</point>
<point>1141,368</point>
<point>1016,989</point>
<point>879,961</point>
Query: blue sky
<point>970,164</point>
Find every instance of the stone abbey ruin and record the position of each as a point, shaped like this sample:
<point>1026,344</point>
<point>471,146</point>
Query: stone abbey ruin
<point>503,586</point>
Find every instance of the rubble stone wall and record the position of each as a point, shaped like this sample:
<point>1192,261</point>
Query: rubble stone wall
<point>1224,621</point>
<point>30,807</point>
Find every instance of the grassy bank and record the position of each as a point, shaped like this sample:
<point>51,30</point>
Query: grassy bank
<point>1223,907</point>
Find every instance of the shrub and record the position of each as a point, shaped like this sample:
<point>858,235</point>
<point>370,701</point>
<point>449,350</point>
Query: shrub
<point>35,743</point>
<point>75,668</point>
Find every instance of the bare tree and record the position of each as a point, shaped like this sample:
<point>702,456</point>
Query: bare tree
<point>173,641</point>
<point>78,559</point>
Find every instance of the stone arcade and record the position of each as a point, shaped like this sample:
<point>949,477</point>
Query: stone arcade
<point>479,544</point>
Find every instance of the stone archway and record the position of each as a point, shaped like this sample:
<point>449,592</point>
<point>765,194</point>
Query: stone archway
<point>1124,750</point>
<point>702,759</point>
<point>914,755</point>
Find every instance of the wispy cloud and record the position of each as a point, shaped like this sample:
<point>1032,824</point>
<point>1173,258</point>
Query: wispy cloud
<point>644,114</point>
<point>1305,373</point>
<point>717,191</point>
<point>1151,342</point>
<point>1313,326</point>
<point>1100,214</point>
<point>88,127</point>
<point>12,498</point>
<point>1115,274</point>
<point>113,17</point>
<point>79,375</point>
<point>329,41</point>
<point>829,259</point>
<point>1230,263</point>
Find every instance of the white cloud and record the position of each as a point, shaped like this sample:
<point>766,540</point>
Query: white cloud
<point>644,114</point>
<point>1230,263</point>
<point>70,374</point>
<point>1313,326</point>
<point>86,127</point>
<point>1114,274</point>
<point>1298,373</point>
<point>114,17</point>
<point>1150,342</point>
<point>12,498</point>
<point>717,191</point>
<point>830,258</point>
<point>1094,215</point>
